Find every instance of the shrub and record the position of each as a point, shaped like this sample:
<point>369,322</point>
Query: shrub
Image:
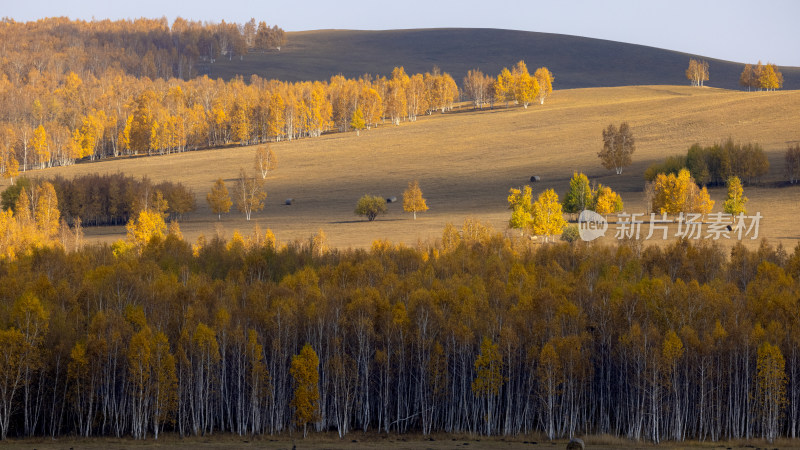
<point>370,206</point>
<point>570,233</point>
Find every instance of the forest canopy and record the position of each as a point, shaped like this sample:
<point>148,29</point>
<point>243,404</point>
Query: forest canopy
<point>481,334</point>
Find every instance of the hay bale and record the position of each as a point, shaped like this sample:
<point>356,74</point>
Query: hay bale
<point>535,178</point>
<point>288,202</point>
<point>576,444</point>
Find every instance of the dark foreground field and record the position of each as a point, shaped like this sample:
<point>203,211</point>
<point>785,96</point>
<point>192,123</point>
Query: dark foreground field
<point>380,441</point>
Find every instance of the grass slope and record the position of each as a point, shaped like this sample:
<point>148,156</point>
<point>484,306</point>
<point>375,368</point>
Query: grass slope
<point>466,162</point>
<point>577,62</point>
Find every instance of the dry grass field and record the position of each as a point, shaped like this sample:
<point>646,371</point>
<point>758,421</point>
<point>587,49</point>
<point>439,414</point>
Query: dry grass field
<point>467,160</point>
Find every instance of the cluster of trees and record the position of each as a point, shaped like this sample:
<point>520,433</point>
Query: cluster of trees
<point>248,191</point>
<point>600,199</point>
<point>516,85</point>
<point>542,217</point>
<point>479,334</point>
<point>371,206</point>
<point>110,199</point>
<point>34,222</point>
<point>761,77</point>
<point>715,164</point>
<point>618,147</point>
<point>677,194</point>
<point>142,47</point>
<point>697,73</point>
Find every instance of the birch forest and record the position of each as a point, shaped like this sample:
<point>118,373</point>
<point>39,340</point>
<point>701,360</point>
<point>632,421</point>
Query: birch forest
<point>477,334</point>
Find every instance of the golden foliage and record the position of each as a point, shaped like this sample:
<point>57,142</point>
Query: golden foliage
<point>488,370</point>
<point>146,226</point>
<point>413,201</point>
<point>735,203</point>
<point>547,218</point>
<point>305,401</point>
<point>674,194</point>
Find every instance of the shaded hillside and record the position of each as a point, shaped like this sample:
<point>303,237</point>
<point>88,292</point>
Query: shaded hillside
<point>577,62</point>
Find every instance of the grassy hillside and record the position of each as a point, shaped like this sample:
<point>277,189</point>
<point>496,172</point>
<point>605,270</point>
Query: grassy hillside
<point>466,162</point>
<point>577,62</point>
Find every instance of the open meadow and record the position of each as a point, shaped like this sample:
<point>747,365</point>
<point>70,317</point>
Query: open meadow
<point>467,160</point>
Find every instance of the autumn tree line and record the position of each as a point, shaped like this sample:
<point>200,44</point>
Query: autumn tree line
<point>49,119</point>
<point>111,199</point>
<point>715,164</point>
<point>71,90</point>
<point>141,47</point>
<point>477,333</point>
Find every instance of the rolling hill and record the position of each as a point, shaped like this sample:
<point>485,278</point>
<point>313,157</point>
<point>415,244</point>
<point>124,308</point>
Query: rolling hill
<point>577,62</point>
<point>466,162</point>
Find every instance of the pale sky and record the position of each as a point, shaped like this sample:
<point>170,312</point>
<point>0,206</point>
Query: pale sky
<point>743,31</point>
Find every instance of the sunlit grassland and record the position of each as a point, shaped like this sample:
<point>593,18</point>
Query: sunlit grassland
<point>467,160</point>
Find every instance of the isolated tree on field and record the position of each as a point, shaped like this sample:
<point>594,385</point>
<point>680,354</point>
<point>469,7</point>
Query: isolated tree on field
<point>413,201</point>
<point>579,195</point>
<point>249,193</point>
<point>520,202</point>
<point>697,72</point>
<point>735,203</point>
<point>357,121</point>
<point>618,146</point>
<point>305,372</point>
<point>265,160</point>
<point>488,379</point>
<point>544,79</point>
<point>218,198</point>
<point>547,216</point>
<point>371,206</point>
<point>793,163</point>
